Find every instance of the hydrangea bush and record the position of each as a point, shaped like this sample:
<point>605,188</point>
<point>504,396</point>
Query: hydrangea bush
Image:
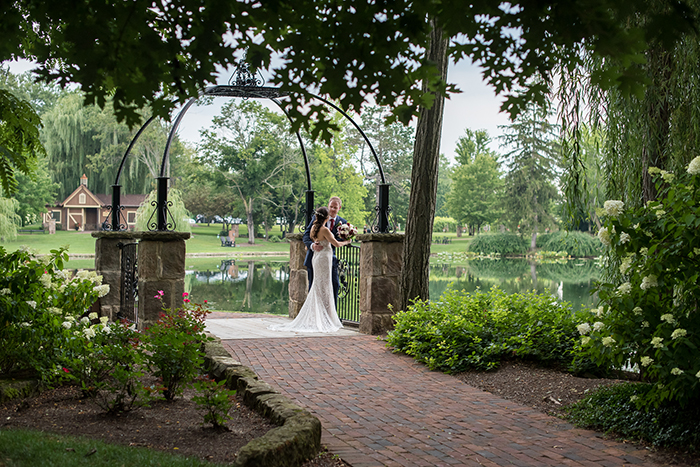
<point>39,305</point>
<point>649,318</point>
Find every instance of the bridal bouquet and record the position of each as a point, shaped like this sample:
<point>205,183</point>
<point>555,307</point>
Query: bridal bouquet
<point>347,231</point>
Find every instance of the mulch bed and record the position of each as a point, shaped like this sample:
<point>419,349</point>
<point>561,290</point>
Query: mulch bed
<point>174,426</point>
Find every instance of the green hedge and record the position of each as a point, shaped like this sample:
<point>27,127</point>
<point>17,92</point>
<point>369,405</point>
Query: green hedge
<point>575,243</point>
<point>476,331</point>
<point>500,244</point>
<point>612,409</point>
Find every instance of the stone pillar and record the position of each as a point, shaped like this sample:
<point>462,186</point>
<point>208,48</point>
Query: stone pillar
<point>298,279</point>
<point>381,262</point>
<point>161,263</point>
<point>108,260</point>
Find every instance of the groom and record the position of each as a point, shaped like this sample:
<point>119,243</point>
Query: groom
<point>334,220</point>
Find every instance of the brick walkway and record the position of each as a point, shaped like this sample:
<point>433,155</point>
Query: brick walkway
<point>383,409</point>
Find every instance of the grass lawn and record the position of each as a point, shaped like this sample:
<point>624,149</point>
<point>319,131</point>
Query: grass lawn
<point>24,448</point>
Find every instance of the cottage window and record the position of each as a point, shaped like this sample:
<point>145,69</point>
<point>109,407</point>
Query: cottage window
<point>131,217</point>
<point>56,215</point>
<point>81,198</point>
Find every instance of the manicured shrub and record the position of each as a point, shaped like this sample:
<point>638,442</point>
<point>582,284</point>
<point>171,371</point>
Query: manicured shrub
<point>444,224</point>
<point>476,331</point>
<point>504,244</point>
<point>575,243</point>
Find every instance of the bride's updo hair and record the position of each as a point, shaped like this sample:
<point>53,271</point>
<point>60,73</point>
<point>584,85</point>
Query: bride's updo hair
<point>321,218</point>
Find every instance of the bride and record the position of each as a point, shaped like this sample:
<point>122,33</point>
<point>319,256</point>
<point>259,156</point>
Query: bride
<point>318,313</point>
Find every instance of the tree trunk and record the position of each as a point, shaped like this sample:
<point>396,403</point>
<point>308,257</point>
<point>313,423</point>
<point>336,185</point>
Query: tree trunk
<point>424,177</point>
<point>249,222</point>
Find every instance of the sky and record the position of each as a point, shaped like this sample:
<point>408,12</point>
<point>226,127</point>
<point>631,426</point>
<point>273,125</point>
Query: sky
<point>477,107</point>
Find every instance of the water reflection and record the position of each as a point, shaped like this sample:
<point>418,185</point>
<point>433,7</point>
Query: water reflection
<point>263,287</point>
<point>570,281</point>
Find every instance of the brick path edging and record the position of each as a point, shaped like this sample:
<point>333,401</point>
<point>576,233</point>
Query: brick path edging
<point>297,437</point>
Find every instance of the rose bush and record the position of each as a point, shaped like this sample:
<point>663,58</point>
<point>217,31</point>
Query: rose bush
<point>649,300</point>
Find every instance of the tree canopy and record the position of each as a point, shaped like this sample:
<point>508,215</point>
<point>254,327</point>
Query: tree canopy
<point>162,53</point>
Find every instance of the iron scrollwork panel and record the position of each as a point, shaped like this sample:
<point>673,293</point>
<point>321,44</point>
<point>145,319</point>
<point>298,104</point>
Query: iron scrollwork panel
<point>129,282</point>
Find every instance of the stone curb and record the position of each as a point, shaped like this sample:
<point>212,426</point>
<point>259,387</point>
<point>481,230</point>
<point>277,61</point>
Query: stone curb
<point>298,436</point>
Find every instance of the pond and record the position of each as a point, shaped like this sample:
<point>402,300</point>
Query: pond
<point>260,286</point>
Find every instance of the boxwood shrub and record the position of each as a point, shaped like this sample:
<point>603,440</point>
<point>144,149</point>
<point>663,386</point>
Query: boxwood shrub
<point>575,243</point>
<point>476,331</point>
<point>504,244</point>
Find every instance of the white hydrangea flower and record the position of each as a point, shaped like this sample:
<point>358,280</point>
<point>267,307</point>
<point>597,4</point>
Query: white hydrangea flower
<point>89,333</point>
<point>678,333</point>
<point>694,166</point>
<point>608,341</point>
<point>104,319</point>
<point>92,316</point>
<point>637,311</point>
<point>646,361</point>
<point>657,342</point>
<point>585,340</point>
<point>54,310</point>
<point>597,326</point>
<point>697,375</point>
<point>624,289</point>
<point>85,320</point>
<point>102,290</point>
<point>654,170</point>
<point>82,274</point>
<point>604,236</point>
<point>584,328</point>
<point>106,329</point>
<point>667,176</point>
<point>61,274</point>
<point>668,317</point>
<point>70,318</point>
<point>634,398</point>
<point>45,280</point>
<point>649,282</point>
<point>67,324</point>
<point>5,291</point>
<point>626,264</point>
<point>644,250</point>
<point>614,207</point>
<point>677,371</point>
<point>31,303</point>
<point>624,237</point>
<point>645,324</point>
<point>660,213</point>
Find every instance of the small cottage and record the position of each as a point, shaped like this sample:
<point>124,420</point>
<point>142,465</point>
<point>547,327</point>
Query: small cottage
<point>84,210</point>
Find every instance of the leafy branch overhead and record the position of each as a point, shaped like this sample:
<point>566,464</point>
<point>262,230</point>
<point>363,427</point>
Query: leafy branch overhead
<point>161,53</point>
<point>19,139</point>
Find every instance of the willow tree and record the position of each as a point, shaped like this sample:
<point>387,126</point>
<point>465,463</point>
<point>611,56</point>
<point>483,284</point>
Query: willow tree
<point>656,127</point>
<point>89,140</point>
<point>9,220</point>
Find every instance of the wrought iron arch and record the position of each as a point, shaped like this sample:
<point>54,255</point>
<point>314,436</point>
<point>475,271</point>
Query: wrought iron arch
<point>247,86</point>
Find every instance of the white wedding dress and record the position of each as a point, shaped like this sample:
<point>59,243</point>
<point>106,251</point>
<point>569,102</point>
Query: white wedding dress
<point>318,313</point>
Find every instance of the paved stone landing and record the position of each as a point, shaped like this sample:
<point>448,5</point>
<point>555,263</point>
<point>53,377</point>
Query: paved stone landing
<point>382,409</point>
